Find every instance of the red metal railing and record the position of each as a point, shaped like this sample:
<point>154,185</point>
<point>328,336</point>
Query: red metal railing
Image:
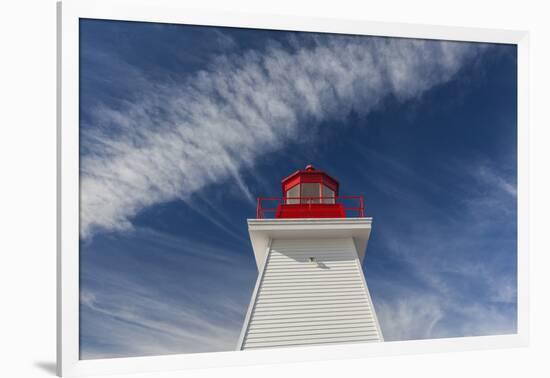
<point>353,206</point>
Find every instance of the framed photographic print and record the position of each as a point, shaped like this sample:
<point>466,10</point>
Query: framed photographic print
<point>238,189</point>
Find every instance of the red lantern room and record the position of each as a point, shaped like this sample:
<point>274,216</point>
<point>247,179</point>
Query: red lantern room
<point>310,193</point>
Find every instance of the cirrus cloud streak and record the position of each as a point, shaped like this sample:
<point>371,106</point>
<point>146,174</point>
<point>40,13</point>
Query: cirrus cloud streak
<point>178,137</point>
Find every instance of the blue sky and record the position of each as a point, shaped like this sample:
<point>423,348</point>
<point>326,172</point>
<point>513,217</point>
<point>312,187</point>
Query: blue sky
<point>182,127</point>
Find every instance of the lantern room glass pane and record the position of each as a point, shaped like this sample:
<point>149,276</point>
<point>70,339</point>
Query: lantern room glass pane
<point>292,195</point>
<point>311,190</point>
<point>328,195</point>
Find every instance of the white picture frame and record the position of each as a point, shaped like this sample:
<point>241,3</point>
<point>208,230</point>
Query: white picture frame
<point>171,11</point>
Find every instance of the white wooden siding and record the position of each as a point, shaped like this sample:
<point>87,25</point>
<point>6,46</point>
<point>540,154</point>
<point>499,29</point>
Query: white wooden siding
<point>303,302</point>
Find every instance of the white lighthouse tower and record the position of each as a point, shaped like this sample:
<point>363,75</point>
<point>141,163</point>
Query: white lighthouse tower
<point>311,289</point>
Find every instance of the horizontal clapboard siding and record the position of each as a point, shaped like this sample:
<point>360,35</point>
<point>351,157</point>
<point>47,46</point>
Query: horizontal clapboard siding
<point>304,302</point>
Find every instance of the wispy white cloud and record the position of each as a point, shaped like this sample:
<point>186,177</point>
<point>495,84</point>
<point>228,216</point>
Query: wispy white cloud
<point>179,296</point>
<point>178,137</point>
<point>141,324</point>
<point>488,176</point>
<point>409,317</point>
<point>460,271</point>
<point>433,313</point>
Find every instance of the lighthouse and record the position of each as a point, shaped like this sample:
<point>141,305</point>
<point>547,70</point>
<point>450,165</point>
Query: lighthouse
<point>309,246</point>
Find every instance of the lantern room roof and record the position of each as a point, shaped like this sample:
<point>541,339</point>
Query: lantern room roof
<point>309,174</point>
